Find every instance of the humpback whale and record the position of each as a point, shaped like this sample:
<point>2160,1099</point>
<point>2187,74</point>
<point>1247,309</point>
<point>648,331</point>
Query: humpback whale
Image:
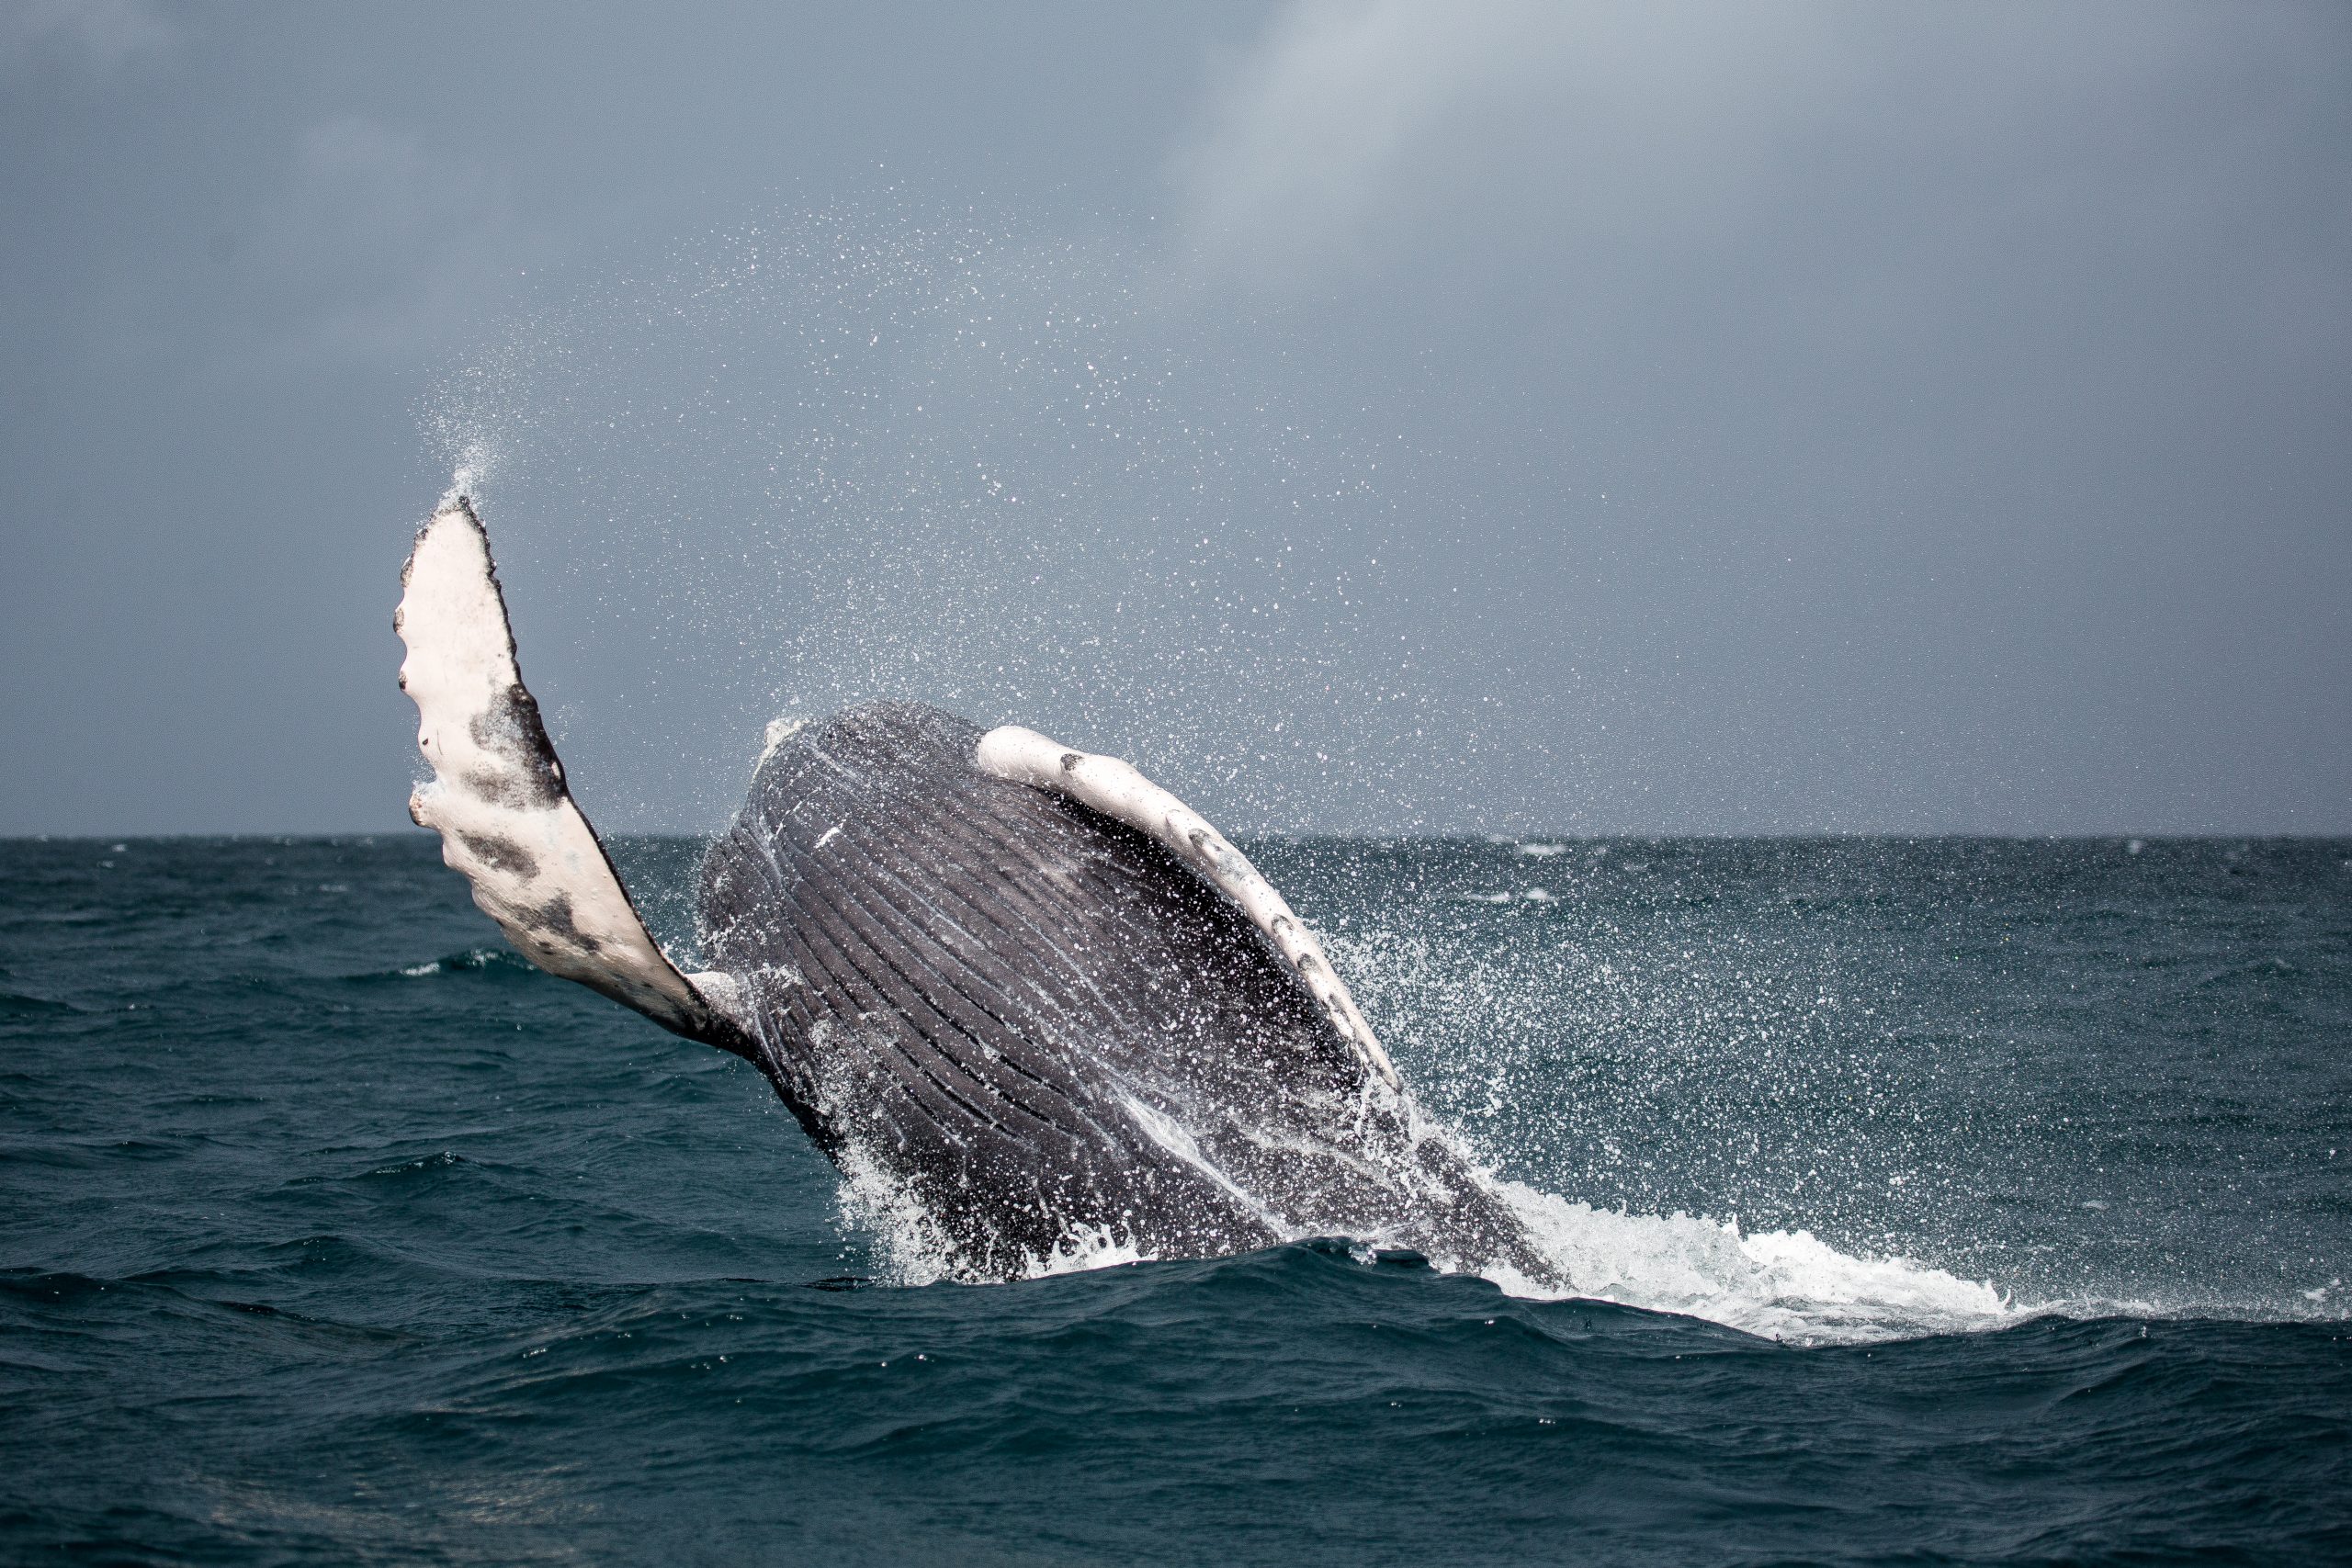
<point>1024,993</point>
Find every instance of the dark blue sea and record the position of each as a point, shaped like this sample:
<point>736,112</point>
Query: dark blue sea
<point>1955,1201</point>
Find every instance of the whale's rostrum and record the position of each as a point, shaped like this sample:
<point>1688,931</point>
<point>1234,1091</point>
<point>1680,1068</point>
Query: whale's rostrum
<point>1025,993</point>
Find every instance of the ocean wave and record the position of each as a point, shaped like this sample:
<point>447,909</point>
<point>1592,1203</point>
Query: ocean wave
<point>14,1004</point>
<point>491,962</point>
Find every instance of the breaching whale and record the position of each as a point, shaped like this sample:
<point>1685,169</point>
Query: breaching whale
<point>1024,994</point>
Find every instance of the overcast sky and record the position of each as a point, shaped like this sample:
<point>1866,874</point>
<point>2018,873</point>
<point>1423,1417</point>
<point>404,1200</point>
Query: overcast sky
<point>1370,417</point>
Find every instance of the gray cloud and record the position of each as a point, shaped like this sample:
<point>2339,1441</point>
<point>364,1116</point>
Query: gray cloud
<point>377,250</point>
<point>1666,418</point>
<point>1917,354</point>
<point>1351,125</point>
<point>100,35</point>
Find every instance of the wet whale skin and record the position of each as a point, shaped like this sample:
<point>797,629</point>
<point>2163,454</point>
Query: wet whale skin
<point>1036,1024</point>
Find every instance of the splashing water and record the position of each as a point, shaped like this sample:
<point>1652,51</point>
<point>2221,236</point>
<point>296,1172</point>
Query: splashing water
<point>867,451</point>
<point>1778,1284</point>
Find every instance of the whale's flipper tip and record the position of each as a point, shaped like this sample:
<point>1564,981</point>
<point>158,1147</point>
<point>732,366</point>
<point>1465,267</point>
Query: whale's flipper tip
<point>498,796</point>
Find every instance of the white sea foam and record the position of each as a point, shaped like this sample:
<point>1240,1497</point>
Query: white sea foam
<point>1786,1285</point>
<point>911,1248</point>
<point>1085,1247</point>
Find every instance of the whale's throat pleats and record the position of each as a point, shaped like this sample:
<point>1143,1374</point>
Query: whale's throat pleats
<point>1034,1016</point>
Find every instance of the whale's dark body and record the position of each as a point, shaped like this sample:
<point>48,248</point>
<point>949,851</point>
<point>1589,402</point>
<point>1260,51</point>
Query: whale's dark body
<point>980,969</point>
<point>996,994</point>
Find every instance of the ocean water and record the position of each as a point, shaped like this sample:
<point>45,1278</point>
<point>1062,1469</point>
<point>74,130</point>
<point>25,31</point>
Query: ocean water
<point>1940,1202</point>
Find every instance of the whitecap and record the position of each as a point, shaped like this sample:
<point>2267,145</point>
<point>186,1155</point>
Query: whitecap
<point>1787,1285</point>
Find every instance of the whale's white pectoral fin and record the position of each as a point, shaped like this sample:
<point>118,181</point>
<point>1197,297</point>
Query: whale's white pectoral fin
<point>497,797</point>
<point>1118,791</point>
